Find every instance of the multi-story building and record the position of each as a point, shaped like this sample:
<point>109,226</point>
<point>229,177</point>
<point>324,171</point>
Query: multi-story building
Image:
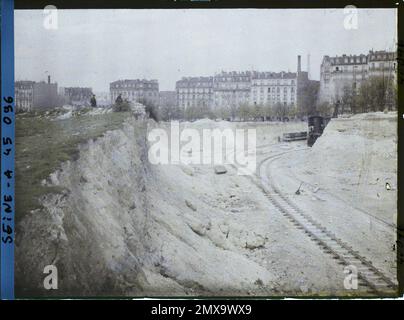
<point>135,90</point>
<point>231,89</point>
<point>338,73</point>
<point>30,95</point>
<point>285,88</point>
<point>46,95</point>
<point>78,96</point>
<point>24,95</point>
<point>382,64</point>
<point>270,88</point>
<point>194,91</point>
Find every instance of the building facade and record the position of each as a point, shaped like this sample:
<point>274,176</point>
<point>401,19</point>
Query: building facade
<point>270,88</point>
<point>231,89</point>
<point>135,91</point>
<point>194,91</point>
<point>24,95</point>
<point>78,96</point>
<point>338,73</point>
<point>46,95</point>
<point>31,95</point>
<point>382,64</point>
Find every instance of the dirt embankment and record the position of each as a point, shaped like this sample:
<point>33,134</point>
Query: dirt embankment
<point>348,183</point>
<point>93,230</point>
<point>356,159</point>
<point>122,226</point>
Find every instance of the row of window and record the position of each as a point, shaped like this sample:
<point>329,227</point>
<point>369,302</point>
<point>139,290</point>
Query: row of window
<point>189,96</point>
<point>349,60</point>
<point>195,84</point>
<point>382,57</point>
<point>246,79</point>
<point>284,103</point>
<point>236,87</point>
<point>135,93</point>
<point>24,94</point>
<point>203,91</point>
<point>274,99</point>
<point>191,90</point>
<point>272,82</point>
<point>193,103</point>
<point>23,103</point>
<point>373,65</point>
<point>292,97</point>
<point>137,85</point>
<point>275,89</point>
<point>194,97</point>
<point>233,93</point>
<point>231,86</point>
<point>247,82</point>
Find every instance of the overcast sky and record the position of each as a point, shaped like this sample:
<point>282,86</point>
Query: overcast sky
<point>95,47</point>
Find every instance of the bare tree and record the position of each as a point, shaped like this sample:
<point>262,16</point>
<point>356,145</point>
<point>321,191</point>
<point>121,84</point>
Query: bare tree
<point>376,94</point>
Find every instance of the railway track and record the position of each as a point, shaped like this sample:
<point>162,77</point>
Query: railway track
<point>388,224</point>
<point>370,279</point>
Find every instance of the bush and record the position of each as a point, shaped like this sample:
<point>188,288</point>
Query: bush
<point>121,107</point>
<point>152,112</point>
<point>150,109</point>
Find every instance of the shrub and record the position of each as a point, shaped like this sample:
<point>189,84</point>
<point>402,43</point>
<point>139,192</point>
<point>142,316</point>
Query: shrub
<point>121,107</point>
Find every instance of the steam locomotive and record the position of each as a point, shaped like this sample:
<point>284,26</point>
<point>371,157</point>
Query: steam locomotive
<point>316,127</point>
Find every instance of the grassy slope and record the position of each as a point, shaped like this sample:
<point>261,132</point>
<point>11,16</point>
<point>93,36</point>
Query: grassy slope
<point>42,144</point>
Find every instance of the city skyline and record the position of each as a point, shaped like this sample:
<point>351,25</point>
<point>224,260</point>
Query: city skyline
<point>90,48</point>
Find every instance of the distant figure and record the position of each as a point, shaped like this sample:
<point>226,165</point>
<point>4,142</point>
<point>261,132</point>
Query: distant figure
<point>336,109</point>
<point>119,99</point>
<point>93,101</point>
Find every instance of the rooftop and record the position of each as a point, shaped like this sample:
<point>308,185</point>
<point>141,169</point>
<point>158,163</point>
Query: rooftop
<point>134,81</point>
<point>361,58</point>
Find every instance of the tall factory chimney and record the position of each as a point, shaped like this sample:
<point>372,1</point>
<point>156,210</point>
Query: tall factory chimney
<point>299,64</point>
<point>48,79</point>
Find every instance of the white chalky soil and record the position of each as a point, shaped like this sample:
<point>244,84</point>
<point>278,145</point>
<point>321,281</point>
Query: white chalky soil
<point>139,229</point>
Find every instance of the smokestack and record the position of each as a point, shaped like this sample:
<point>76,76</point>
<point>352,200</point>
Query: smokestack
<point>299,64</point>
<point>48,79</point>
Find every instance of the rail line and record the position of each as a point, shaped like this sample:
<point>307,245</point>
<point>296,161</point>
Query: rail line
<point>369,277</point>
<point>388,224</point>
